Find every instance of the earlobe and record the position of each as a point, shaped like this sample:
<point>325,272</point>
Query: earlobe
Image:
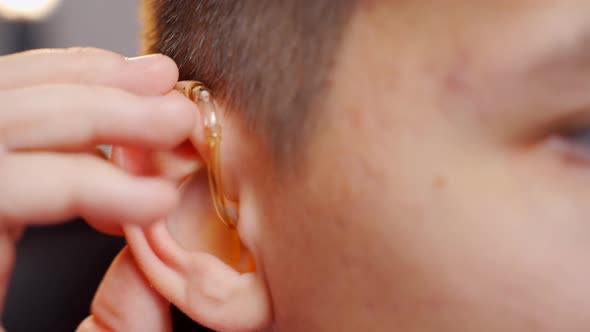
<point>199,283</point>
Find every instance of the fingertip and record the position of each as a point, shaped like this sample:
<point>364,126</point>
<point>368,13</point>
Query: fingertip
<point>166,191</point>
<point>166,72</point>
<point>170,69</point>
<point>156,198</point>
<point>153,75</point>
<point>131,200</point>
<point>177,116</point>
<point>182,109</point>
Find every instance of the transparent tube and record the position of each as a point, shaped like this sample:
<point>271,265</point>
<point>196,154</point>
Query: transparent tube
<point>198,93</point>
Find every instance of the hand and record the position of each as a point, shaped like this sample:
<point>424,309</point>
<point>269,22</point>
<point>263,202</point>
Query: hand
<point>55,107</point>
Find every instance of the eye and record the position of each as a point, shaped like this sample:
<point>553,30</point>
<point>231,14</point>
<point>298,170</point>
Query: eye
<point>578,136</point>
<point>575,144</point>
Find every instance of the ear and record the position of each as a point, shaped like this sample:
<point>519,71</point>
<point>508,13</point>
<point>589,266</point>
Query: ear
<point>192,258</point>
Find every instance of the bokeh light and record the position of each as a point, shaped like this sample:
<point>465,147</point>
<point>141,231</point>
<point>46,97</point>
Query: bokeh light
<point>27,9</point>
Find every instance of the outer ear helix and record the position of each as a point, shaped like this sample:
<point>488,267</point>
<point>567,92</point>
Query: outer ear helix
<point>202,96</point>
<point>194,261</point>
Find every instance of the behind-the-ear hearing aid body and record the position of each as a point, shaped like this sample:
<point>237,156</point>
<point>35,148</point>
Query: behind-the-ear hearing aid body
<point>198,93</point>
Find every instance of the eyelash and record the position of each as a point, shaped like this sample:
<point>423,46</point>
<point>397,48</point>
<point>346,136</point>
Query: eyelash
<point>574,144</point>
<point>580,134</point>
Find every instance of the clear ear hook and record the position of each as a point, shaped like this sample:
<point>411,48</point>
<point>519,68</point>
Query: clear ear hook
<point>201,95</point>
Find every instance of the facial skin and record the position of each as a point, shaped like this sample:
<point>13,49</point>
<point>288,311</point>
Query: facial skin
<point>440,190</point>
<point>443,187</point>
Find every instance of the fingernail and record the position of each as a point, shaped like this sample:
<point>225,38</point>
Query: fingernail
<point>146,59</point>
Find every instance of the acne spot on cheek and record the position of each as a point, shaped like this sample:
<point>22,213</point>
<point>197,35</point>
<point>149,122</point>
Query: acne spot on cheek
<point>439,182</point>
<point>457,80</point>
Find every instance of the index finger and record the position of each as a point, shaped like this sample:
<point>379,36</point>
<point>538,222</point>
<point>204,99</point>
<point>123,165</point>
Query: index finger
<point>76,117</point>
<point>150,75</point>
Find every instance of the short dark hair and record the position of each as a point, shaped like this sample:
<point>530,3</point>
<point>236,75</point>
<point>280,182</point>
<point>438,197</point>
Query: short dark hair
<point>269,59</point>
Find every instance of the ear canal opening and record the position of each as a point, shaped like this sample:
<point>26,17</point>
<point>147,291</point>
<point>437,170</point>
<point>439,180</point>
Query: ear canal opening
<point>195,226</point>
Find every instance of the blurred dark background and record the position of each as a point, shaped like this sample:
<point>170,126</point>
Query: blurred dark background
<point>59,268</point>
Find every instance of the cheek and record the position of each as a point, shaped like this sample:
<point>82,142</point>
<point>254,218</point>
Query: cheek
<point>446,237</point>
<point>487,234</point>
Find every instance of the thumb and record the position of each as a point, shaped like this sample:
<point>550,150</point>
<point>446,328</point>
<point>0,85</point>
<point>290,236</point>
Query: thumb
<point>125,301</point>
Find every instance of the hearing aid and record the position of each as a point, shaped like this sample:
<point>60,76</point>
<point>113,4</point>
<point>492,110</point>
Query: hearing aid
<point>202,96</point>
